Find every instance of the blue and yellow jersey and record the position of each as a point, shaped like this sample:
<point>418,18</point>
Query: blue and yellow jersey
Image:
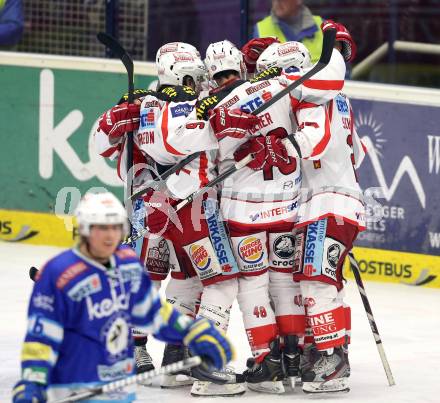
<point>80,319</point>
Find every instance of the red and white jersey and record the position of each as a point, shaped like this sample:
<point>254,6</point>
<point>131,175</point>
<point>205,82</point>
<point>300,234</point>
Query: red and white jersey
<point>267,196</point>
<point>165,138</point>
<point>329,183</point>
<point>118,151</point>
<point>322,86</point>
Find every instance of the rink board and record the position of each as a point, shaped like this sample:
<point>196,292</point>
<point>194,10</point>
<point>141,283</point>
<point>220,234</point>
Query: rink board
<point>48,160</point>
<point>375,264</point>
<point>37,228</point>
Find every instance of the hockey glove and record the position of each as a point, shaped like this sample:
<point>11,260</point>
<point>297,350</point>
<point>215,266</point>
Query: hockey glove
<point>28,392</point>
<point>253,49</point>
<point>255,146</point>
<point>267,150</point>
<point>210,343</point>
<point>348,46</point>
<point>231,122</point>
<point>120,119</point>
<point>161,215</point>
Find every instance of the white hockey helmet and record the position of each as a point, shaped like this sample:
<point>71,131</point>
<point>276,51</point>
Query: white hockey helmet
<point>284,55</point>
<point>100,208</point>
<point>176,60</point>
<point>223,56</point>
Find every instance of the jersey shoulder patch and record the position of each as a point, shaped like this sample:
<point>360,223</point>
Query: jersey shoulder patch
<point>210,102</point>
<point>125,252</point>
<point>178,93</point>
<point>137,93</point>
<point>271,72</point>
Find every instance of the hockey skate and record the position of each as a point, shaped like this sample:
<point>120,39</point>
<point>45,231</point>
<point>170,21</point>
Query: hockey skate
<point>291,359</point>
<point>308,357</point>
<point>217,383</point>
<point>266,376</point>
<point>143,360</point>
<point>329,373</point>
<point>171,354</point>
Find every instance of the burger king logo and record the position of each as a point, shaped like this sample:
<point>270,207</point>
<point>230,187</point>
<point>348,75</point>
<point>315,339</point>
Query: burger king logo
<point>250,249</point>
<point>199,256</point>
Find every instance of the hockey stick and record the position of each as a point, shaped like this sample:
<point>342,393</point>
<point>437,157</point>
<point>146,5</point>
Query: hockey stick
<point>357,275</point>
<point>327,49</point>
<point>238,165</point>
<point>114,386</point>
<point>33,271</point>
<point>127,61</point>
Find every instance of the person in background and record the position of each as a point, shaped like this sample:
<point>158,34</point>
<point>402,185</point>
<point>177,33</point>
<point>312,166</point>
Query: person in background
<point>11,23</point>
<point>291,20</point>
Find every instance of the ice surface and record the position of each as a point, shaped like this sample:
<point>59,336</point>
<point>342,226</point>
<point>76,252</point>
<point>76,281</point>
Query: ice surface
<point>407,317</point>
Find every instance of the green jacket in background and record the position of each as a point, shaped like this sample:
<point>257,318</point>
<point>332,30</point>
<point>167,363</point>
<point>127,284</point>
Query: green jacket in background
<point>311,37</point>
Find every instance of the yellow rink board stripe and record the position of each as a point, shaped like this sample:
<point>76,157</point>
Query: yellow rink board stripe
<point>36,228</point>
<point>375,264</point>
<point>396,267</point>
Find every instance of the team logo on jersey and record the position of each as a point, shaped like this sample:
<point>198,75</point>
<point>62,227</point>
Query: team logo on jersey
<point>158,258</point>
<point>257,87</point>
<point>333,254</point>
<point>88,286</point>
<point>219,237</point>
<point>106,306</point>
<point>341,104</point>
<point>120,369</point>
<point>70,273</point>
<point>314,245</point>
<point>284,246</point>
<point>199,256</point>
<point>273,212</point>
<point>181,110</point>
<point>148,118</point>
<point>44,302</point>
<point>116,333</point>
<point>250,249</point>
<point>266,95</point>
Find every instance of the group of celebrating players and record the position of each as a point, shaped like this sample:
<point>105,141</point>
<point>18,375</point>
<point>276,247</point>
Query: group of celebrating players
<point>273,234</point>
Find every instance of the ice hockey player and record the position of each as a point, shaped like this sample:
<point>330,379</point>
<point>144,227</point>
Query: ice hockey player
<point>198,228</point>
<point>331,213</point>
<point>159,255</point>
<point>84,303</point>
<point>250,202</point>
<point>164,138</point>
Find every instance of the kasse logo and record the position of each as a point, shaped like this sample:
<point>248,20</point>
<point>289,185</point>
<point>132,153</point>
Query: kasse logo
<point>250,249</point>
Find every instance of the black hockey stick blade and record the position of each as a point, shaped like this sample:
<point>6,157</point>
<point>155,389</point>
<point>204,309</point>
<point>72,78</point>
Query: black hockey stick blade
<point>327,49</point>
<point>119,51</point>
<point>33,271</point>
